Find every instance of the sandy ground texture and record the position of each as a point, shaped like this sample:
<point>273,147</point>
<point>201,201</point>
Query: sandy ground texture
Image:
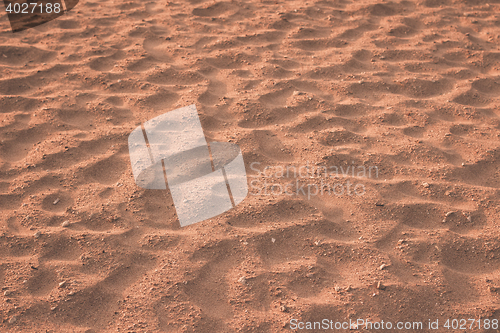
<point>408,87</point>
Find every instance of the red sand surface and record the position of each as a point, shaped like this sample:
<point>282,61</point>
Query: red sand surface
<point>410,87</point>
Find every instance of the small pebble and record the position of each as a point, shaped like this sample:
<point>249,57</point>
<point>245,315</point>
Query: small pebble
<point>13,320</point>
<point>56,201</point>
<point>273,240</point>
<point>62,284</point>
<point>380,286</point>
<point>242,280</point>
<point>426,185</point>
<point>37,234</point>
<point>7,293</point>
<point>283,308</point>
<point>382,266</point>
<point>65,224</point>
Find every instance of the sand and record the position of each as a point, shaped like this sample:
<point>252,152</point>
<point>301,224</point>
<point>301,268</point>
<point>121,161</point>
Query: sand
<point>408,87</point>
